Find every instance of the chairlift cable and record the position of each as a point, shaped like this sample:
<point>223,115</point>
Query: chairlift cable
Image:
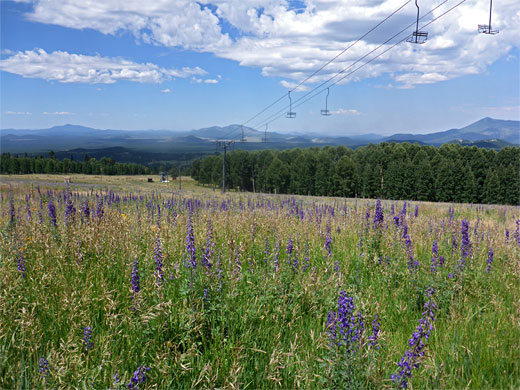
<point>299,102</point>
<point>328,63</point>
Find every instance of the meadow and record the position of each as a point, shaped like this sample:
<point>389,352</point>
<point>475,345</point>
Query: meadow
<point>114,283</point>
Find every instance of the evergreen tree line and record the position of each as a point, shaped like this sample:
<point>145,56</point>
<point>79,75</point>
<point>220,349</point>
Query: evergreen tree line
<point>451,173</point>
<point>89,166</point>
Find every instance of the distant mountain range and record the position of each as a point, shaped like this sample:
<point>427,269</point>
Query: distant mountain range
<point>167,146</point>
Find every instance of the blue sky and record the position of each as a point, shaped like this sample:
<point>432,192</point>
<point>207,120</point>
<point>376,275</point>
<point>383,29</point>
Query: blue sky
<point>182,65</point>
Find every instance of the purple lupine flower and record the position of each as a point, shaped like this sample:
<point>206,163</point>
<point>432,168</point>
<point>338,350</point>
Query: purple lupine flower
<point>507,236</point>
<point>70,210</point>
<point>517,231</point>
<point>52,212</point>
<point>44,367</point>
<point>413,264</point>
<point>328,241</point>
<point>21,264</point>
<point>331,327</point>
<point>378,215</point>
<point>158,258</point>
<point>190,246</point>
<point>392,209</point>
<point>465,245</point>
<point>396,220</point>
<point>489,260</point>
<point>367,213</point>
<point>12,216</point>
<point>138,377</point>
<point>85,210</point>
<point>344,328</point>
<point>99,209</point>
<point>87,338</point>
<point>435,254</point>
<point>290,247</point>
<point>117,379</point>
<point>373,338</point>
<point>416,211</point>
<point>207,250</point>
<point>441,260</point>
<point>412,357</point>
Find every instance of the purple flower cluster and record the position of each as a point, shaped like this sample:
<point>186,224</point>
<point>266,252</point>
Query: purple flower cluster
<point>21,265</point>
<point>376,328</point>
<point>465,246</point>
<point>52,212</point>
<point>343,327</point>
<point>489,260</point>
<point>138,377</point>
<point>190,246</point>
<point>412,357</point>
<point>207,250</point>
<point>11,210</point>
<point>158,257</point>
<point>87,338</point>
<point>328,241</point>
<point>435,255</point>
<point>378,215</point>
<point>99,209</point>
<point>70,210</point>
<point>507,236</point>
<point>413,264</point>
<point>44,367</point>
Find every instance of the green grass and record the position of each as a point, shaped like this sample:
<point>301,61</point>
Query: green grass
<point>257,325</point>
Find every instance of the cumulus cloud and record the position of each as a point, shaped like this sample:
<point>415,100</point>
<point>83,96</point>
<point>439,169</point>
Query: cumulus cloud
<point>65,67</point>
<point>166,90</point>
<point>291,42</point>
<point>346,111</point>
<point>211,81</point>
<point>17,113</point>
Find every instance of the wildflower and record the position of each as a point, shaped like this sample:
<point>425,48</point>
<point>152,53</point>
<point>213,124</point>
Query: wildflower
<point>345,329</point>
<point>378,215</point>
<point>52,212</point>
<point>328,241</point>
<point>138,377</point>
<point>44,367</point>
<point>190,246</point>
<point>87,338</point>
<point>21,265</point>
<point>465,245</point>
<point>99,209</point>
<point>376,327</point>
<point>435,253</point>
<point>413,355</point>
<point>85,210</point>
<point>489,260</point>
<point>416,211</point>
<point>207,250</point>
<point>11,210</point>
<point>507,236</point>
<point>28,207</point>
<point>159,277</point>
<point>70,210</point>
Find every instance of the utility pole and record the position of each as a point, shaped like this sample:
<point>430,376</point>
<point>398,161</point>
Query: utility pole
<point>224,144</point>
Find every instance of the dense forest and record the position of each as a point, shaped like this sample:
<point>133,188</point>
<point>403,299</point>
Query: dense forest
<point>89,166</point>
<point>451,173</point>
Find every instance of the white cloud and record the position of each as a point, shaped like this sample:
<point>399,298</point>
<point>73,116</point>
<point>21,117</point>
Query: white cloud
<point>346,111</point>
<point>61,113</point>
<point>211,81</point>
<point>17,113</point>
<point>166,90</point>
<point>292,43</point>
<point>64,67</point>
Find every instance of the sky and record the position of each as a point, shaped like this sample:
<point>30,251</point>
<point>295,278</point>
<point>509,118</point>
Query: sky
<point>183,65</point>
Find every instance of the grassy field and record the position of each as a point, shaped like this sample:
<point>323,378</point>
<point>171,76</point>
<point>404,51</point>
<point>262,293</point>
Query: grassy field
<point>113,282</point>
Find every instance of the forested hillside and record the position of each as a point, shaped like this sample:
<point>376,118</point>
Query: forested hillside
<point>107,166</point>
<point>451,173</point>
